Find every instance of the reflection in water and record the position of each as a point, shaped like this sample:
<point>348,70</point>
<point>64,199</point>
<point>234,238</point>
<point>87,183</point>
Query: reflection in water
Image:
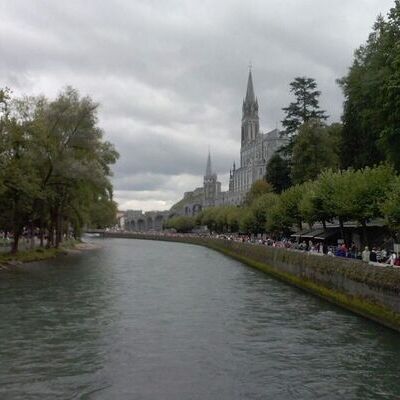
<point>150,320</point>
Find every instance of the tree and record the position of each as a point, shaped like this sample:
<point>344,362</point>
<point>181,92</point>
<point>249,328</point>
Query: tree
<point>286,212</point>
<point>278,173</point>
<point>390,207</point>
<point>313,151</point>
<point>371,118</point>
<point>102,212</point>
<point>181,224</point>
<point>247,222</point>
<point>54,165</point>
<point>74,161</point>
<point>19,180</point>
<point>258,188</point>
<point>304,108</point>
<point>368,192</point>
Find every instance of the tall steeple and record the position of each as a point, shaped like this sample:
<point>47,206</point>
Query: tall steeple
<point>250,120</point>
<point>211,187</point>
<point>208,168</point>
<point>250,96</point>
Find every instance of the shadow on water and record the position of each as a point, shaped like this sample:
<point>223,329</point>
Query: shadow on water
<point>148,320</point>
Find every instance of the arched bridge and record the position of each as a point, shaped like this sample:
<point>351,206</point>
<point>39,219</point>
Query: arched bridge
<point>138,221</point>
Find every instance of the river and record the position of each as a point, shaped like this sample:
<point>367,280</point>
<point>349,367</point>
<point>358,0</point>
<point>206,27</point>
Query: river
<point>155,320</point>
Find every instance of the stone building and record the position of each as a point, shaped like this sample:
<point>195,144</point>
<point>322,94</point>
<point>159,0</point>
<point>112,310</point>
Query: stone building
<point>255,151</point>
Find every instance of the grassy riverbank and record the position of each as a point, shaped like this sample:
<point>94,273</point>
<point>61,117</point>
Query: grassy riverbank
<point>38,254</point>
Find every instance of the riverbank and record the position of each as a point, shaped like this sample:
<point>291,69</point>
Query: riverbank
<point>8,261</point>
<point>370,291</point>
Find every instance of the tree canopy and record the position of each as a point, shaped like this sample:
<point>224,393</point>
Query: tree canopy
<point>305,107</point>
<point>54,165</point>
<point>371,118</point>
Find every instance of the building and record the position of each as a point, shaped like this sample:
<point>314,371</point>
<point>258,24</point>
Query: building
<point>255,151</point>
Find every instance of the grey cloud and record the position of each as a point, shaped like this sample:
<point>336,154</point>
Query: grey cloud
<point>170,75</point>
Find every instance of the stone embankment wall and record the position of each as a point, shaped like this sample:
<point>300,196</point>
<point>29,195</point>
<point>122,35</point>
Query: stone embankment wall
<point>371,291</point>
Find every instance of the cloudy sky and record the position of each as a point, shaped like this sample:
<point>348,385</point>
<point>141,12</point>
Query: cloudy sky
<point>170,75</point>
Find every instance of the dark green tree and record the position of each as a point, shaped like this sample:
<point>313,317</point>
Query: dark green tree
<point>304,108</point>
<point>258,188</point>
<point>278,173</point>
<point>371,119</point>
<point>313,151</point>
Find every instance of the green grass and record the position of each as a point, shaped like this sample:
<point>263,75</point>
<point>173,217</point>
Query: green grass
<point>38,254</point>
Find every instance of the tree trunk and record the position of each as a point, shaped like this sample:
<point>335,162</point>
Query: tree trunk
<point>57,219</point>
<point>14,247</point>
<point>32,232</point>
<point>41,234</point>
<point>300,225</point>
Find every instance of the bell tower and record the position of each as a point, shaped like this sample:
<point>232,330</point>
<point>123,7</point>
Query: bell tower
<point>211,186</point>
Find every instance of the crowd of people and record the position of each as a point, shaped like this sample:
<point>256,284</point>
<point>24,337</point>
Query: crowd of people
<point>376,255</point>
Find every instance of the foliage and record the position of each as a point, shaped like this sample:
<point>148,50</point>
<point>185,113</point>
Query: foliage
<point>313,151</point>
<point>220,219</point>
<point>348,195</point>
<point>390,207</point>
<point>181,224</point>
<point>371,119</point>
<point>304,108</point>
<point>54,165</point>
<point>258,188</point>
<point>278,173</point>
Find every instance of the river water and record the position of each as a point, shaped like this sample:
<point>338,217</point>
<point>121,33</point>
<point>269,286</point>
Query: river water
<point>154,320</point>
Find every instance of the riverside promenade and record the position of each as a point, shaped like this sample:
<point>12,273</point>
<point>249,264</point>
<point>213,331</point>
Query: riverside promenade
<point>368,290</point>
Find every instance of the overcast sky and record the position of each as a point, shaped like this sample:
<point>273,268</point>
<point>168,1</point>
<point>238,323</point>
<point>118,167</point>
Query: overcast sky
<point>171,75</point>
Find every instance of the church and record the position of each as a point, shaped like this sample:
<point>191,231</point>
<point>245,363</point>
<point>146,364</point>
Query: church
<point>255,151</point>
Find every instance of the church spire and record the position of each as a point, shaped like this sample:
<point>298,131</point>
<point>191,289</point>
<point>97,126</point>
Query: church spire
<point>250,96</point>
<point>208,168</point>
<point>250,122</point>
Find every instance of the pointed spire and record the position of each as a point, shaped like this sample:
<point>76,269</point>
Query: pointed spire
<point>250,96</point>
<point>208,168</point>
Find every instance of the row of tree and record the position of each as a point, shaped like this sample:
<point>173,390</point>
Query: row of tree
<point>350,195</point>
<point>54,166</point>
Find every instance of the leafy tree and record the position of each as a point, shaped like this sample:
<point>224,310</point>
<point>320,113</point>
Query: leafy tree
<point>390,207</point>
<point>371,120</point>
<point>278,173</point>
<point>258,188</point>
<point>54,165</point>
<point>367,194</point>
<point>260,208</point>
<point>304,108</point>
<point>288,210</point>
<point>181,224</point>
<point>19,179</point>
<point>247,222</point>
<point>102,212</point>
<point>313,151</point>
